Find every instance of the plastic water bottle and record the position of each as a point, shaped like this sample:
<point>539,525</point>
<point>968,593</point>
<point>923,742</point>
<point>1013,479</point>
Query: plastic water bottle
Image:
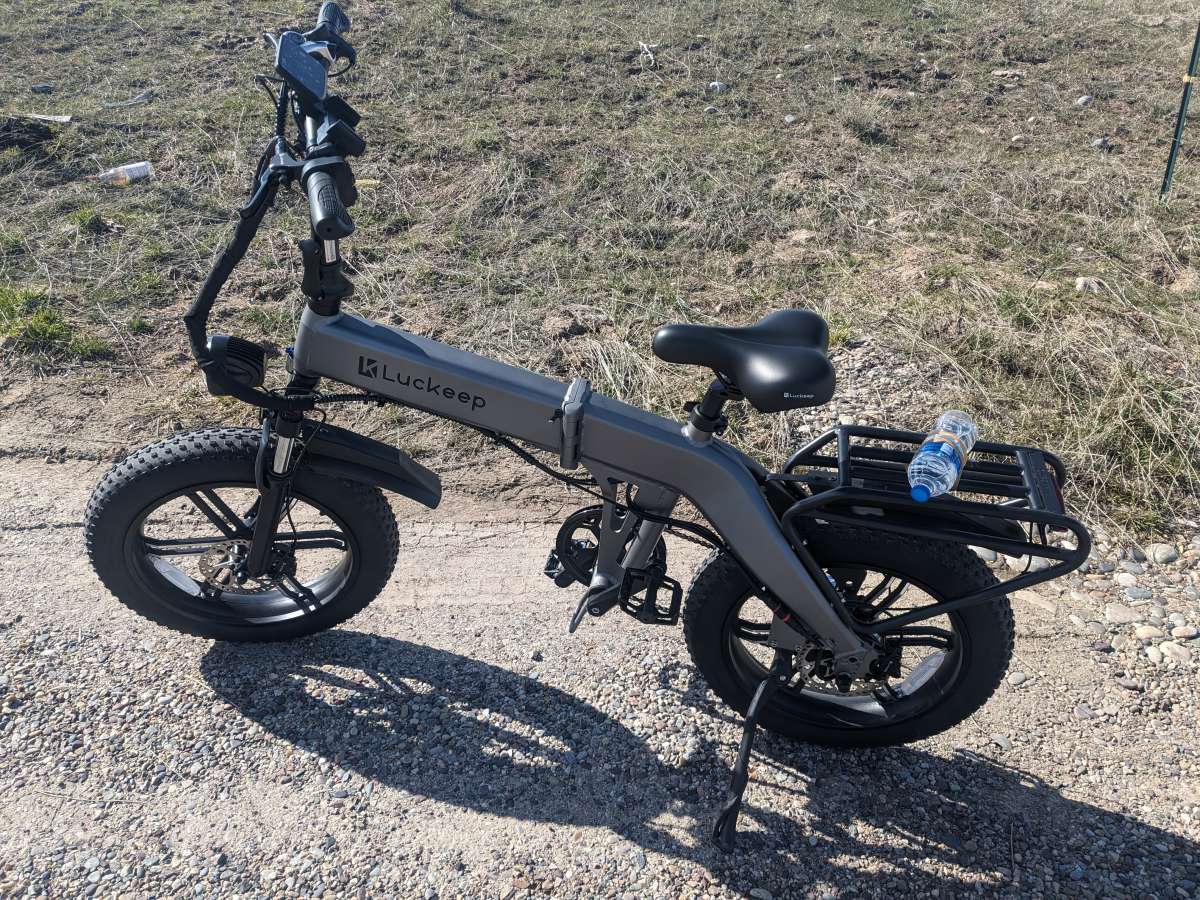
<point>935,467</point>
<point>127,173</point>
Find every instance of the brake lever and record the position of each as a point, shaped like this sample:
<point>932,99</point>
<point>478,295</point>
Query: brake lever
<point>324,34</point>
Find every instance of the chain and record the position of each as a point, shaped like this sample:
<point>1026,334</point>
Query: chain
<point>683,535</point>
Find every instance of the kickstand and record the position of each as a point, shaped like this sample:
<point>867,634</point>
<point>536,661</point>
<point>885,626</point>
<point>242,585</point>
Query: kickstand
<point>725,830</point>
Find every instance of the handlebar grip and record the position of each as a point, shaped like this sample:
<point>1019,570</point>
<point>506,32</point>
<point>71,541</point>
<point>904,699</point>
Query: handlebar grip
<point>331,14</point>
<point>330,221</point>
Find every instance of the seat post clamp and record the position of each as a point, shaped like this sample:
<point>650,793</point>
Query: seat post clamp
<point>572,421</point>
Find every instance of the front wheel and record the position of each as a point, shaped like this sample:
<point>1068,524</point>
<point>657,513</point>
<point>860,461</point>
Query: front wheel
<point>939,671</point>
<point>168,532</point>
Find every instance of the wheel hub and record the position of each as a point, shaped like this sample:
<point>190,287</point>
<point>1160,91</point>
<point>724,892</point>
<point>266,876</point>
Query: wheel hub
<point>224,568</point>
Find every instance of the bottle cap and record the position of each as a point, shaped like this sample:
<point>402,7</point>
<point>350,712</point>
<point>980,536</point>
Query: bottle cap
<point>920,493</point>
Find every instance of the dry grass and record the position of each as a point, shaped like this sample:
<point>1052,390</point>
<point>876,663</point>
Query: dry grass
<point>550,195</point>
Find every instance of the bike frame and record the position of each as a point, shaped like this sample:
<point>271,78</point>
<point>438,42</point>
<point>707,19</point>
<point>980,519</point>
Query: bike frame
<point>617,443</point>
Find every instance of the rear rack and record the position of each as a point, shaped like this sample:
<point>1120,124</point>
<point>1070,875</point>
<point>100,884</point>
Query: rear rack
<point>866,484</point>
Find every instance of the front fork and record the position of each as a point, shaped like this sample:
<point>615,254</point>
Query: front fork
<point>274,478</point>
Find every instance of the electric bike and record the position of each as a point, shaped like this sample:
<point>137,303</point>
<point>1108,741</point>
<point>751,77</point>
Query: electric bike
<point>832,609</point>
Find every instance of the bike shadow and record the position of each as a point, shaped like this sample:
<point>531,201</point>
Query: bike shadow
<point>460,731</point>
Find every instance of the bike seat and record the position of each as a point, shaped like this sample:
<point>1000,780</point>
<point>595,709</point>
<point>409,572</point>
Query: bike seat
<point>777,363</point>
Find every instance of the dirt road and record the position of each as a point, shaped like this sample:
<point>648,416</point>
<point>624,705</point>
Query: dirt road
<point>454,741</point>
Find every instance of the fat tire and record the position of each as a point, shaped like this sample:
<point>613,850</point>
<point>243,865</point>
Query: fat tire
<point>228,454</point>
<point>985,630</point>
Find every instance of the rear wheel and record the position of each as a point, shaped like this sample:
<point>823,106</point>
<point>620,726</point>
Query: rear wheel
<point>168,532</point>
<point>940,670</point>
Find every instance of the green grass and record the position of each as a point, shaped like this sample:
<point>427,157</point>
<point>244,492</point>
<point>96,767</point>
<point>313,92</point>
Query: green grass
<point>27,319</point>
<point>532,164</point>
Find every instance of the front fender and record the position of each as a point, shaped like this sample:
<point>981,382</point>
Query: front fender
<point>344,454</point>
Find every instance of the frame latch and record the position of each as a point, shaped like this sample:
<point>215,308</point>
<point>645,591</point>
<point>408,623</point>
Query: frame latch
<point>572,421</point>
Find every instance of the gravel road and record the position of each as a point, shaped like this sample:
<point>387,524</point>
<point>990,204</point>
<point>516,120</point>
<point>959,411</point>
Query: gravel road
<point>454,741</point>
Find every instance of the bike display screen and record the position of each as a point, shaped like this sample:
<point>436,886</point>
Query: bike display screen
<point>304,75</point>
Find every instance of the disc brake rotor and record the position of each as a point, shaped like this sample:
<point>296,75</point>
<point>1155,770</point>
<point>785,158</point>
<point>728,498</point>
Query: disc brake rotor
<point>223,568</point>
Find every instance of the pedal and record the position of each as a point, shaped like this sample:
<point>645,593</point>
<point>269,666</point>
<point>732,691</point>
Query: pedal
<point>555,571</point>
<point>646,608</point>
<point>725,829</point>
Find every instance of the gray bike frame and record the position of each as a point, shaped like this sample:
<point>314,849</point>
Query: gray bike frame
<point>616,443</point>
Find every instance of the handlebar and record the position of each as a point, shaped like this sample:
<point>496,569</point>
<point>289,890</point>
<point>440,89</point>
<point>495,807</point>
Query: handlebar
<point>330,221</point>
<point>331,15</point>
<point>324,172</point>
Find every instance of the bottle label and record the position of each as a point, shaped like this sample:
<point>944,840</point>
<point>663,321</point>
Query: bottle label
<point>951,438</point>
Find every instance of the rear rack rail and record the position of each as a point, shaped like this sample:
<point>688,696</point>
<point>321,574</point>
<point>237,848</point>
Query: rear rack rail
<point>866,485</point>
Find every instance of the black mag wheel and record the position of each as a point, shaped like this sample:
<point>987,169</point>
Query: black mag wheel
<point>936,672</point>
<point>168,530</point>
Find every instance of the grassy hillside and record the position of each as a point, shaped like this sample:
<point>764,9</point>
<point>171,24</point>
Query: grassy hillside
<point>555,180</point>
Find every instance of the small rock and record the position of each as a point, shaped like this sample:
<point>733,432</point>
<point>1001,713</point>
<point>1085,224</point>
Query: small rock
<point>985,554</point>
<point>537,656</point>
<point>1138,593</point>
<point>1162,553</point>
<point>1016,679</point>
<point>1008,73</point>
<point>1128,683</point>
<point>1117,614</point>
<point>1175,652</point>
<point>1019,140</point>
<point>41,88</point>
<point>1148,633</point>
<point>789,119</point>
<point>718,87</point>
<point>639,859</point>
<point>1085,100</point>
<point>1184,632</point>
<point>1083,711</point>
<point>1102,143</point>
<point>710,109</point>
<point>1136,554</point>
<point>759,893</point>
<point>1154,654</point>
<point>1001,741</point>
<point>1120,642</point>
<point>1086,284</point>
<point>1126,579</point>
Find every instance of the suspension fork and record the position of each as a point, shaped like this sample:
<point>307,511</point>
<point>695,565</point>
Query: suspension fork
<point>274,478</point>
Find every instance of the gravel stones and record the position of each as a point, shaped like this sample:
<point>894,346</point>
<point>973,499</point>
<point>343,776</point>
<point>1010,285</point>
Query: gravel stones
<point>1148,633</point>
<point>1162,554</point>
<point>469,769</point>
<point>1175,652</point>
<point>1118,614</point>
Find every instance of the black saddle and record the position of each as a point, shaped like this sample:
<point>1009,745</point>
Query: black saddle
<point>778,363</point>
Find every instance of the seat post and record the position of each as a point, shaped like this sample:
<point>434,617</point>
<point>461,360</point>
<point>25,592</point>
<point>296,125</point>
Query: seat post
<point>704,418</point>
